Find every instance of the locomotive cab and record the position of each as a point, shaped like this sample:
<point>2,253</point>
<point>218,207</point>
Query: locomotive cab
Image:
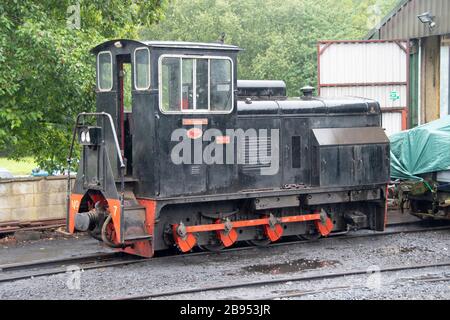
<point>178,154</point>
<point>138,86</point>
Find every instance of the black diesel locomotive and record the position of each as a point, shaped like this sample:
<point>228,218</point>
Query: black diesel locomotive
<point>202,159</point>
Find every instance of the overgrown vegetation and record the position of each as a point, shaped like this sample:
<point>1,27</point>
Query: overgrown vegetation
<point>22,167</point>
<point>279,37</point>
<point>47,73</point>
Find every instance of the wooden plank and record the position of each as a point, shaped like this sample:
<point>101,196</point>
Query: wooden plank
<point>431,48</point>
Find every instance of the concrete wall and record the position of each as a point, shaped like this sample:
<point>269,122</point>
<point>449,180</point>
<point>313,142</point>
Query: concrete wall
<point>28,199</point>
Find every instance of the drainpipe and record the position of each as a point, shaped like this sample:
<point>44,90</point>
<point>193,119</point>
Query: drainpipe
<point>419,91</point>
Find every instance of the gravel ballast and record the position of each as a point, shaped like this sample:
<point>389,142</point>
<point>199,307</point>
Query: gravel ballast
<point>327,256</point>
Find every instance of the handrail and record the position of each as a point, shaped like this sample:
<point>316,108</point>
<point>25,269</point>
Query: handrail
<point>119,153</point>
<point>111,122</point>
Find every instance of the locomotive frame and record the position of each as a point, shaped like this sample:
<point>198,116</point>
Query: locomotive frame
<point>327,159</point>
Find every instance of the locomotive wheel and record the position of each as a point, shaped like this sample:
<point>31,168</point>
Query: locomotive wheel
<point>259,243</point>
<point>95,236</point>
<point>109,233</point>
<point>212,247</point>
<point>309,237</point>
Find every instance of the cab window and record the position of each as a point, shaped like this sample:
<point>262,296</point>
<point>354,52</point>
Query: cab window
<point>192,84</point>
<point>220,85</point>
<point>105,71</point>
<point>171,84</point>
<point>142,69</point>
<point>187,98</point>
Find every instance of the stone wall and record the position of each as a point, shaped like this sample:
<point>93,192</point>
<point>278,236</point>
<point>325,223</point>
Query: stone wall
<point>29,199</point>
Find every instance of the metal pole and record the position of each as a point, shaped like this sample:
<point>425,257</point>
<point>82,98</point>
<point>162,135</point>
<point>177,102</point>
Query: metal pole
<point>122,199</point>
<point>69,191</point>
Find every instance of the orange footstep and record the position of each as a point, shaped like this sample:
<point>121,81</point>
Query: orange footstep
<point>324,229</point>
<point>273,233</point>
<point>228,238</point>
<point>184,241</point>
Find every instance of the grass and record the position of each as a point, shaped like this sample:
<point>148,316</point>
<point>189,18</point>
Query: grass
<point>18,168</point>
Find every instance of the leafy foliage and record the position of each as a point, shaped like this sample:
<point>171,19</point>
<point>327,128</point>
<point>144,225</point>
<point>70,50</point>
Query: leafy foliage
<point>279,37</point>
<point>47,74</point>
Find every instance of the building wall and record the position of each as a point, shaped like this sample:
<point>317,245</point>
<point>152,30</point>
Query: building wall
<point>28,199</point>
<point>429,65</point>
<point>375,70</point>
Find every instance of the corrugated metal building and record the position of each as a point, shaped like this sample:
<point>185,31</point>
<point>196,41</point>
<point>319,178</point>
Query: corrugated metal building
<point>374,69</point>
<point>426,24</point>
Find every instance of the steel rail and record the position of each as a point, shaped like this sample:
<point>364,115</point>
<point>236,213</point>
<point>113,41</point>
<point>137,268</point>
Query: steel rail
<point>281,281</point>
<point>4,231</point>
<point>144,260</point>
<point>90,258</point>
<point>297,294</point>
<point>64,270</point>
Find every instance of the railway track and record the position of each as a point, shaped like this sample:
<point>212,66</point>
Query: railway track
<point>241,285</point>
<point>13,226</point>
<point>59,266</point>
<point>298,294</point>
<point>91,258</point>
<point>108,260</point>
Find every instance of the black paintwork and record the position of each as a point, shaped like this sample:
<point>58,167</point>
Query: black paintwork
<point>305,166</point>
<point>261,90</point>
<point>158,177</point>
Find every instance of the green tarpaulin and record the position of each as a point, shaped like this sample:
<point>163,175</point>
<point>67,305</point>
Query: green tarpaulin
<point>424,149</point>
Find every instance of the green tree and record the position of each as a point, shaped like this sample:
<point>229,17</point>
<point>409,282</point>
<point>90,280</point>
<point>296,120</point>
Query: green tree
<point>279,37</point>
<point>47,74</point>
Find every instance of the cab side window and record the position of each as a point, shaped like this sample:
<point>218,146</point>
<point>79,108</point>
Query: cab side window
<point>221,85</point>
<point>170,85</point>
<point>104,71</point>
<point>202,82</point>
<point>187,102</point>
<point>192,84</point>
<point>142,69</point>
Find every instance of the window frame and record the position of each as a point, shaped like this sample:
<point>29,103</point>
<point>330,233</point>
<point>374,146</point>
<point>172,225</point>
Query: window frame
<point>195,57</point>
<point>149,70</point>
<point>100,89</point>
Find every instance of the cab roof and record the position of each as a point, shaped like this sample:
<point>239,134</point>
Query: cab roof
<point>168,44</point>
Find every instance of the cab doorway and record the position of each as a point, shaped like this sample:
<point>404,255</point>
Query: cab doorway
<point>125,108</point>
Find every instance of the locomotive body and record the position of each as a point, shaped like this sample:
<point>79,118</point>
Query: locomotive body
<point>202,160</point>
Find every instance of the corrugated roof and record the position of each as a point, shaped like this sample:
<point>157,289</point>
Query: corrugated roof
<point>402,21</point>
<point>383,22</point>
